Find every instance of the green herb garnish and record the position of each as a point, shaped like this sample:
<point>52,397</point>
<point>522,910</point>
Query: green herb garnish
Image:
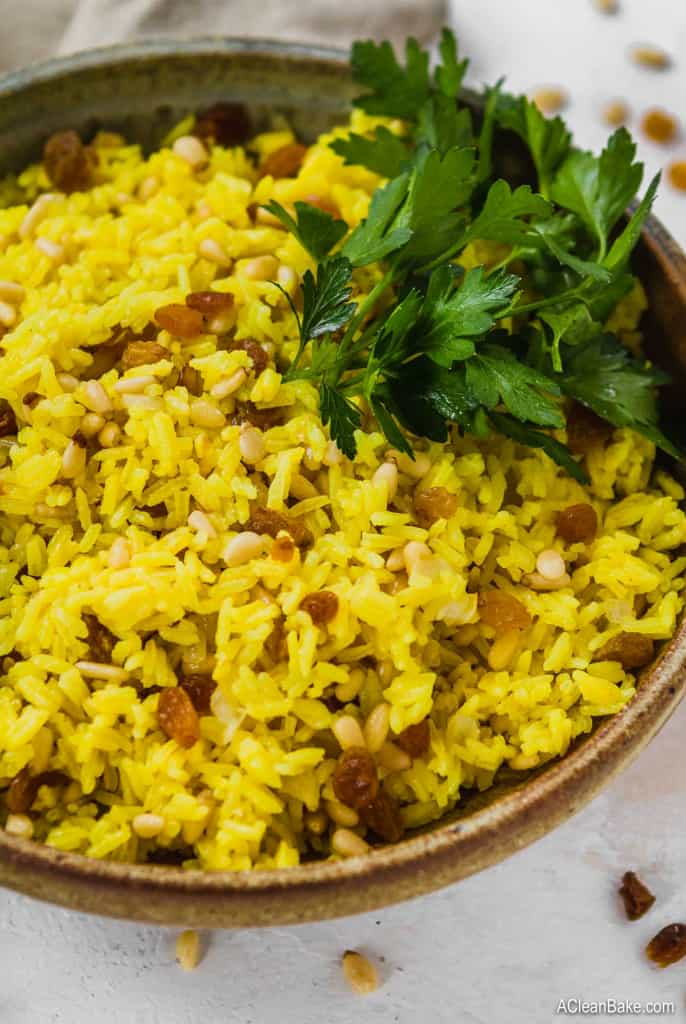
<point>492,348</point>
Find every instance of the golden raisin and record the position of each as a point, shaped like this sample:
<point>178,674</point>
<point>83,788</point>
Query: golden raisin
<point>585,430</point>
<point>24,787</point>
<point>637,898</point>
<point>284,162</point>
<point>228,124</point>
<point>179,320</point>
<point>100,640</point>
<point>668,946</point>
<point>177,717</point>
<point>415,739</point>
<point>267,520</point>
<point>631,650</point>
<point>191,380</point>
<point>68,163</point>
<point>200,689</point>
<point>8,421</point>
<point>383,817</point>
<point>659,126</point>
<point>677,175</point>
<point>354,780</point>
<point>577,523</point>
<point>209,303</point>
<point>322,607</point>
<point>283,549</point>
<point>501,610</point>
<point>434,504</point>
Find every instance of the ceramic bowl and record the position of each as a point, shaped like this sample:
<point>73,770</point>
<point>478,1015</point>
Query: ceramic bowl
<point>142,89</point>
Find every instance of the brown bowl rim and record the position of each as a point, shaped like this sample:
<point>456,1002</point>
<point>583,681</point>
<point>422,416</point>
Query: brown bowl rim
<point>443,854</point>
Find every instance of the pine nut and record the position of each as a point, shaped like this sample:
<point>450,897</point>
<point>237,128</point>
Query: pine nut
<point>360,973</point>
<point>222,323</point>
<point>109,435</point>
<point>203,414</point>
<point>147,402</point>
<point>38,212</point>
<point>396,560</point>
<point>8,314</point>
<point>95,398</point>
<point>342,815</point>
<point>243,548</point>
<point>53,250</point>
<point>147,826</point>
<point>226,387</point>
<point>134,385</point>
<point>387,474</point>
<point>188,950</point>
<point>415,468</point>
<point>191,150</point>
<point>262,268</point>
<point>348,844</point>
<point>348,732</point>
<point>266,217</point>
<point>332,455</point>
<point>503,650</point>
<point>550,564</point>
<point>538,582</point>
<point>251,444</point>
<point>198,521</point>
<point>12,292</point>
<point>148,187</point>
<point>393,758</point>
<point>415,552</point>
<point>73,460</point>
<point>19,825</point>
<point>98,670</point>
<point>91,424</point>
<point>120,554</point>
<point>214,252</point>
<point>376,727</point>
<point>287,278</point>
<point>68,382</point>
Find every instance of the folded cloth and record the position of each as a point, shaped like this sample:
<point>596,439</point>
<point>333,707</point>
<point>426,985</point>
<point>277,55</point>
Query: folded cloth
<point>35,29</point>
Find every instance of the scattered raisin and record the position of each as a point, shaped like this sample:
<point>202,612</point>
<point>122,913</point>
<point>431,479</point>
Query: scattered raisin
<point>177,717</point>
<point>209,303</point>
<point>100,640</point>
<point>258,357</point>
<point>631,650</point>
<point>434,504</point>
<point>68,163</point>
<point>322,607</point>
<point>266,520</point>
<point>179,320</point>
<point>200,689</point>
<point>355,781</point>
<point>415,739</point>
<point>24,787</point>
<point>383,817</point>
<point>191,379</point>
<point>8,421</point>
<point>247,412</point>
<point>283,549</point>
<point>275,644</point>
<point>585,430</point>
<point>142,353</point>
<point>155,511</point>
<point>577,523</point>
<point>284,162</point>
<point>31,399</point>
<point>228,124</point>
<point>501,610</point>
<point>636,897</point>
<point>668,946</point>
<point>659,126</point>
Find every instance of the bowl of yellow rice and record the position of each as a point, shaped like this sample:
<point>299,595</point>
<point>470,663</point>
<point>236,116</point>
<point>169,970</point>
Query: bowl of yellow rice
<point>246,679</point>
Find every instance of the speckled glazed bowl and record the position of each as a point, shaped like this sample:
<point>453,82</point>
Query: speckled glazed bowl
<point>143,89</point>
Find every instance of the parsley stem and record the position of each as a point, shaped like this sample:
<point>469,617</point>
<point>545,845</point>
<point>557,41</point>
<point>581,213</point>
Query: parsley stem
<point>364,307</point>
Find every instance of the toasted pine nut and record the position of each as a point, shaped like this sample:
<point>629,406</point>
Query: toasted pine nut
<point>134,385</point>
<point>287,278</point>
<point>120,554</point>
<point>251,444</point>
<point>191,150</point>
<point>503,650</point>
<point>222,323</point>
<point>396,560</point>
<point>98,670</point>
<point>148,402</point>
<point>341,814</point>
<point>12,292</point>
<point>387,474</point>
<point>348,732</point>
<point>203,414</point>
<point>229,385</point>
<point>415,468</point>
<point>198,521</point>
<point>393,758</point>
<point>262,268</point>
<point>332,454</point>
<point>376,727</point>
<point>95,398</point>
<point>148,187</point>
<point>550,99</point>
<point>53,250</point>
<point>38,212</point>
<point>538,582</point>
<point>19,825</point>
<point>73,460</point>
<point>359,972</point>
<point>109,435</point>
<point>68,382</point>
<point>188,950</point>
<point>214,252</point>
<point>651,57</point>
<point>616,113</point>
<point>550,564</point>
<point>8,314</point>
<point>243,548</point>
<point>91,424</point>
<point>147,826</point>
<point>348,844</point>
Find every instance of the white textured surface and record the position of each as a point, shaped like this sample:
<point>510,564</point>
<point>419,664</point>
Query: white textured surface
<point>501,948</point>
